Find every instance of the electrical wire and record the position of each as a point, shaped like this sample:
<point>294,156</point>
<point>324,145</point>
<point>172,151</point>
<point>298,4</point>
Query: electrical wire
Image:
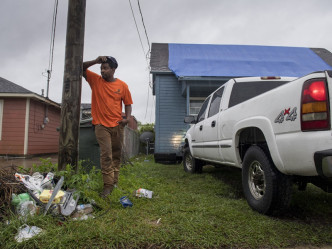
<point>146,34</point>
<point>139,35</point>
<point>146,54</point>
<point>55,12</point>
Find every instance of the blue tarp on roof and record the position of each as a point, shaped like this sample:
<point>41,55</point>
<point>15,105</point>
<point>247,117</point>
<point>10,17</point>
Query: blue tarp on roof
<point>187,60</point>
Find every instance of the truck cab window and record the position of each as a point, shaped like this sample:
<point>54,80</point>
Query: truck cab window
<point>215,102</point>
<point>201,114</point>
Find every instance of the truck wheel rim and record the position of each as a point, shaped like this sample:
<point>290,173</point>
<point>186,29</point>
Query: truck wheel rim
<point>256,180</point>
<point>189,161</point>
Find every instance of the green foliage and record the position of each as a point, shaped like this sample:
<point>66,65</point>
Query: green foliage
<point>145,127</point>
<point>44,166</point>
<point>83,180</point>
<point>205,210</point>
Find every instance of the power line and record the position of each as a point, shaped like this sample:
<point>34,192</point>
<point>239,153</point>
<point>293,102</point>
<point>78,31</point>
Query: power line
<point>146,34</point>
<point>55,12</point>
<point>50,59</point>
<point>132,11</point>
<point>147,55</point>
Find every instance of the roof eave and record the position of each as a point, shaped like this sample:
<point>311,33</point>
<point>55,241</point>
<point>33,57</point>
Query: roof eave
<point>30,95</point>
<point>223,78</point>
<point>161,72</point>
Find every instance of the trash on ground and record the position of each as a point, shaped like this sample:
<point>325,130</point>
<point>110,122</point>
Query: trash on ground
<point>26,232</point>
<point>54,193</point>
<point>124,200</point>
<point>27,208</point>
<point>17,199</point>
<point>84,217</point>
<point>23,204</point>
<point>70,202</point>
<point>46,183</point>
<point>44,194</point>
<point>82,210</point>
<point>47,193</point>
<point>31,182</point>
<point>144,193</point>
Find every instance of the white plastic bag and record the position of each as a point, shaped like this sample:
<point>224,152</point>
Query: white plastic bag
<point>26,208</point>
<point>30,182</point>
<point>26,232</point>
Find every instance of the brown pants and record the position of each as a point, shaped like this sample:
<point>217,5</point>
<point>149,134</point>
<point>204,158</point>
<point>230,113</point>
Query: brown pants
<point>110,142</point>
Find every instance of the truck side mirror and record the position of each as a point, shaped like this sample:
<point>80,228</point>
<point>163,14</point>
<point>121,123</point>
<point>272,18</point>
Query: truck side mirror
<point>190,119</point>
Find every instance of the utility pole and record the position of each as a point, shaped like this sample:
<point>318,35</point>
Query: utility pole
<point>72,81</point>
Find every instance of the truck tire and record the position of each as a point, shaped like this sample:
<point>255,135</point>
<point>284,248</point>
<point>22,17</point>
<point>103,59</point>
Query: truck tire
<point>266,189</point>
<point>190,164</point>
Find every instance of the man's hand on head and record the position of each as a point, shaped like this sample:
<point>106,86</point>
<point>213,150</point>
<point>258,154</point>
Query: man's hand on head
<point>101,59</point>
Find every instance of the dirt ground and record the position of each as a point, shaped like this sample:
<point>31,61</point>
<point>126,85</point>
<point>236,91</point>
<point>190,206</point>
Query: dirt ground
<point>25,162</point>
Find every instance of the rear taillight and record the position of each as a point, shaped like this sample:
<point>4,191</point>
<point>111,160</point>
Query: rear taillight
<point>315,106</point>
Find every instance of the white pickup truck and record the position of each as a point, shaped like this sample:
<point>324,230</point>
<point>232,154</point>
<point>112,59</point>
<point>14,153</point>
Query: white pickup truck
<point>278,130</point>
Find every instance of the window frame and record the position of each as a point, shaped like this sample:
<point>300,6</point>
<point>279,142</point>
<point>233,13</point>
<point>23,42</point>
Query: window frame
<point>196,98</point>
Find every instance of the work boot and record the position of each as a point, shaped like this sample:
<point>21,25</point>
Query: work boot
<point>106,191</point>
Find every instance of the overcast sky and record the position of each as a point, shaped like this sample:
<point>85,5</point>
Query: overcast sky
<point>110,29</point>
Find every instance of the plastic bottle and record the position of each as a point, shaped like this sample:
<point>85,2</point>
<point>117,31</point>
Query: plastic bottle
<point>18,199</point>
<point>83,206</point>
<point>26,208</point>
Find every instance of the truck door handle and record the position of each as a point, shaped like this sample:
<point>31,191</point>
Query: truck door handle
<point>213,124</point>
<point>201,127</point>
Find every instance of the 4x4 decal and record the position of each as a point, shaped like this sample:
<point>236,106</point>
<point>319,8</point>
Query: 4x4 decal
<point>288,113</point>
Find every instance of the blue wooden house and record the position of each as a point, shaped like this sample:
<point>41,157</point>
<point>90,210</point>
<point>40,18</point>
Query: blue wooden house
<point>185,74</point>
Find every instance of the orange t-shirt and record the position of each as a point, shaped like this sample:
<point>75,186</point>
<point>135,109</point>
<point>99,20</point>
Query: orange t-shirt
<point>107,98</point>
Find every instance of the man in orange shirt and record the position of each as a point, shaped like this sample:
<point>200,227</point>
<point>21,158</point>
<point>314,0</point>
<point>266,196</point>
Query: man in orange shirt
<point>108,93</point>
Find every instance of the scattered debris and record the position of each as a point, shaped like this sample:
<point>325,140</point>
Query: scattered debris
<point>26,232</point>
<point>82,211</point>
<point>38,193</point>
<point>70,203</point>
<point>47,193</point>
<point>41,194</point>
<point>144,193</point>
<point>124,200</point>
<point>8,186</point>
<point>54,194</point>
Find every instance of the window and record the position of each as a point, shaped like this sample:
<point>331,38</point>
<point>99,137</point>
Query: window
<point>195,105</point>
<point>201,114</point>
<point>1,117</point>
<point>215,102</point>
<point>243,91</point>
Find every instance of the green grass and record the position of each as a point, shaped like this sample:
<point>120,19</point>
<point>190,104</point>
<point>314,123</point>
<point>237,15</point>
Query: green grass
<point>194,211</point>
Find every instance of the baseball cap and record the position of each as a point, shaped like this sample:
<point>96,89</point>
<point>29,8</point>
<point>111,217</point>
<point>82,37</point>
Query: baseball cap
<point>112,61</point>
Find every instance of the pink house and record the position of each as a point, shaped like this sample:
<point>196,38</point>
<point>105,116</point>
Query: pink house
<point>28,122</point>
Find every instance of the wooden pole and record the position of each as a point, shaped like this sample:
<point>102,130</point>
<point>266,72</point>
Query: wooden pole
<point>72,84</point>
